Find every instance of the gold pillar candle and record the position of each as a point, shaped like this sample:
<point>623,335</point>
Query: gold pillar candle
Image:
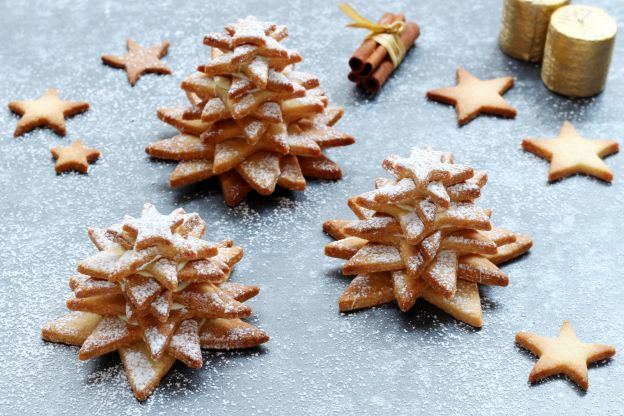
<point>578,51</point>
<point>524,26</point>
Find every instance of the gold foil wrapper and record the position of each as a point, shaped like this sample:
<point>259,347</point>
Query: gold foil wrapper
<point>524,26</point>
<point>578,51</point>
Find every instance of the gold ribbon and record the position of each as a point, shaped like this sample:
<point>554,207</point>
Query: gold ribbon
<point>387,35</point>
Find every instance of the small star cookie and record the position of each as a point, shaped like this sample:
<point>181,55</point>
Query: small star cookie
<point>563,355</point>
<point>153,227</point>
<point>472,96</point>
<point>570,153</point>
<point>48,110</point>
<point>74,157</point>
<point>140,60</point>
<point>249,31</point>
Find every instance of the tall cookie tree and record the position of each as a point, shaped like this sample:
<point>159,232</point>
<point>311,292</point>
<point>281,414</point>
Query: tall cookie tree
<point>253,121</point>
<point>156,292</point>
<point>420,235</point>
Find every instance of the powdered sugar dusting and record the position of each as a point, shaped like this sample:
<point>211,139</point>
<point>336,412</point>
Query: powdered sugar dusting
<point>381,360</point>
<point>141,368</point>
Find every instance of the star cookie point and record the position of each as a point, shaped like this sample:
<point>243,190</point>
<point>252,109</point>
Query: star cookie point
<point>157,304</point>
<point>420,235</point>
<point>49,110</point>
<point>565,354</point>
<point>570,153</point>
<point>74,157</point>
<point>140,60</point>
<point>472,96</point>
<point>253,120</point>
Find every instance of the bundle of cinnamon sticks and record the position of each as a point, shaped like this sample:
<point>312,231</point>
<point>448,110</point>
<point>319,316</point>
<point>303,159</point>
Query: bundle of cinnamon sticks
<point>371,65</point>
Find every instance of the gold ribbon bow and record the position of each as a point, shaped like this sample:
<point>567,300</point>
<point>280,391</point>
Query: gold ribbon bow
<point>387,35</point>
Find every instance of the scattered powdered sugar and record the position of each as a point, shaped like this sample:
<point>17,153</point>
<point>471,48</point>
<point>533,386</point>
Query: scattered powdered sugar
<point>318,361</point>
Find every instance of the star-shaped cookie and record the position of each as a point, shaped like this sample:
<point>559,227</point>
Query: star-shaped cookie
<point>249,31</point>
<point>563,355</point>
<point>472,96</point>
<point>48,110</point>
<point>156,305</point>
<point>140,60</point>
<point>74,157</point>
<point>153,227</point>
<point>570,153</point>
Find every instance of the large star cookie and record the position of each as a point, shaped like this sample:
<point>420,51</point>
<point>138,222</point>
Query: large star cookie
<point>472,96</point>
<point>570,153</point>
<point>48,110</point>
<point>140,60</point>
<point>74,157</point>
<point>563,355</point>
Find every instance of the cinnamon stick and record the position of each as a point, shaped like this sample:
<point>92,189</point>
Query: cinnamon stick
<point>374,82</point>
<point>378,55</point>
<point>353,77</point>
<point>367,47</point>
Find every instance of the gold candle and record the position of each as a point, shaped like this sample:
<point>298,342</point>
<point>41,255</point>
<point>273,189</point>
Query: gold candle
<point>578,51</point>
<point>524,26</point>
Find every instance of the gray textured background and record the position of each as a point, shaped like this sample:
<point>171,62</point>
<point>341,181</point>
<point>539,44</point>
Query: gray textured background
<point>377,361</point>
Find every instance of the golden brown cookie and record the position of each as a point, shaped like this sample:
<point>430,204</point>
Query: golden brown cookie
<point>48,110</point>
<point>252,120</point>
<point>249,31</point>
<point>420,235</point>
<point>140,60</point>
<point>563,355</point>
<point>156,292</point>
<point>570,153</point>
<point>472,96</point>
<point>74,157</point>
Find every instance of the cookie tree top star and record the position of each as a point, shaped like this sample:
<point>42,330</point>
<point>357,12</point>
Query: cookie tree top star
<point>156,291</point>
<point>421,235</point>
<point>253,120</point>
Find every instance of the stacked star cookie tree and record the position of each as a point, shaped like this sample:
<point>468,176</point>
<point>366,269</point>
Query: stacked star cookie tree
<point>421,235</point>
<point>254,121</point>
<point>156,292</point>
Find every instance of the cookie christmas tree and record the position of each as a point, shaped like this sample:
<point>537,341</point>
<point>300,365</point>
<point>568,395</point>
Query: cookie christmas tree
<point>253,121</point>
<point>421,235</point>
<point>156,292</point>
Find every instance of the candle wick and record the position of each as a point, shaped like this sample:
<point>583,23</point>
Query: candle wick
<point>581,19</point>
